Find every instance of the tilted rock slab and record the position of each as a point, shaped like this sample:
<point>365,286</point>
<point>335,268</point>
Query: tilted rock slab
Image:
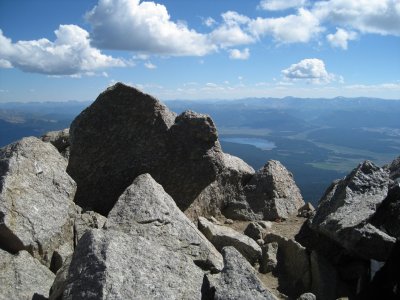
<point>145,209</point>
<point>237,281</point>
<point>221,236</point>
<point>149,250</point>
<point>36,197</point>
<point>272,193</point>
<point>23,277</point>
<point>344,212</point>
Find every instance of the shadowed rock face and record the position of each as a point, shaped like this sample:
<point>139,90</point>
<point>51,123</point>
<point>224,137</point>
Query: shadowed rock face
<point>346,209</point>
<point>126,133</point>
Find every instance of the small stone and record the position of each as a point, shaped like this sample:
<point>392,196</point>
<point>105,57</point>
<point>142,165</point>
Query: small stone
<point>229,221</point>
<point>307,296</point>
<point>255,231</point>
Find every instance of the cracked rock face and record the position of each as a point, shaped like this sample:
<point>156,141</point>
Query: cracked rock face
<point>145,209</point>
<point>348,205</point>
<point>148,250</point>
<point>23,277</point>
<point>36,199</point>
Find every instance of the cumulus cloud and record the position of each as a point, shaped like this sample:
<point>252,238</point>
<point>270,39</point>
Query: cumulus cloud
<point>5,64</point>
<point>237,54</point>
<point>69,54</point>
<point>230,32</point>
<point>341,38</point>
<point>299,28</point>
<point>366,16</point>
<point>310,69</point>
<point>149,65</point>
<point>145,27</point>
<point>209,22</point>
<point>274,5</point>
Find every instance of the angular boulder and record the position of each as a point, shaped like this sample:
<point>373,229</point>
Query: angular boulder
<point>59,139</point>
<point>145,209</point>
<point>84,221</point>
<point>23,277</point>
<point>221,236</point>
<point>238,280</point>
<point>293,265</point>
<point>36,199</point>
<point>272,193</point>
<point>344,211</point>
<point>109,264</point>
<point>394,169</point>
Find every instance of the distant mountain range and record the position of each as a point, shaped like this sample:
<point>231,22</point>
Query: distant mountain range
<point>317,139</point>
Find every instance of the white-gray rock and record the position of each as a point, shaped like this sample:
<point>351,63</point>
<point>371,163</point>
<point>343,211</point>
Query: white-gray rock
<point>272,193</point>
<point>221,236</point>
<point>145,209</point>
<point>347,206</point>
<point>269,257</point>
<point>109,264</point>
<point>237,281</point>
<point>86,220</point>
<point>36,199</point>
<point>23,277</point>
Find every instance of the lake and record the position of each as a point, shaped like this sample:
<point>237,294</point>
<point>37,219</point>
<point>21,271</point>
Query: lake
<point>257,142</point>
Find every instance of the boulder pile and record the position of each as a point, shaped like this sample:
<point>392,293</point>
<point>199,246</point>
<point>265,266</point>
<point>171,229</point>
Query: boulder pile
<point>129,202</point>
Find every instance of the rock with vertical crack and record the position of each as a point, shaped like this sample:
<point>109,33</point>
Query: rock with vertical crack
<point>23,277</point>
<point>36,199</point>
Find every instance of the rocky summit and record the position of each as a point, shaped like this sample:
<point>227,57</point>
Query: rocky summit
<point>136,202</point>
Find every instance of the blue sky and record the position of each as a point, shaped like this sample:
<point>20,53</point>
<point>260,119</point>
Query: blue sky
<point>58,50</point>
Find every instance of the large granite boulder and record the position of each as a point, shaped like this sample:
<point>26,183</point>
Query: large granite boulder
<point>344,212</point>
<point>23,277</point>
<point>121,135</point>
<point>238,280</point>
<point>272,193</point>
<point>125,133</point>
<point>109,264</point>
<point>222,236</point>
<point>145,209</point>
<point>36,199</point>
<point>59,139</point>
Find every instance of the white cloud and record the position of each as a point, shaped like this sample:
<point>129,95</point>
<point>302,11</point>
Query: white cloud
<point>230,32</point>
<point>144,27</point>
<point>341,37</point>
<point>237,54</point>
<point>5,64</point>
<point>209,22</point>
<point>310,69</point>
<point>299,28</point>
<point>69,54</point>
<point>149,65</point>
<point>366,16</point>
<point>275,5</point>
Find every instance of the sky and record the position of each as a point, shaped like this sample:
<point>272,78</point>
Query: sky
<point>61,50</point>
